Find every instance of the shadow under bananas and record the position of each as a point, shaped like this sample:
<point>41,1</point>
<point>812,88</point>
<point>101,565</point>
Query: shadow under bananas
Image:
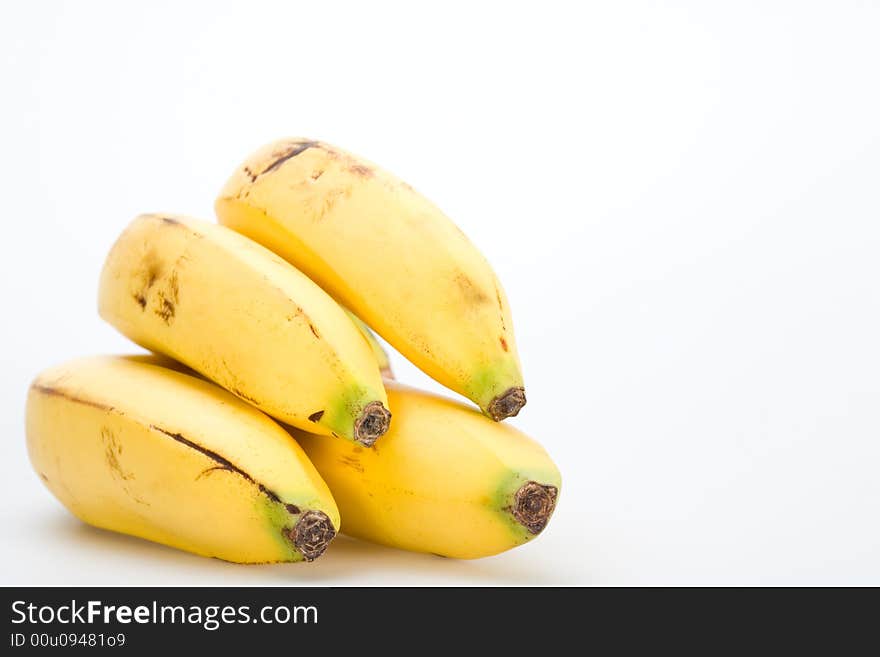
<point>347,562</point>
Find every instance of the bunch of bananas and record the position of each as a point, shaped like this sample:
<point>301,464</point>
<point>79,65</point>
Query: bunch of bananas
<point>268,418</point>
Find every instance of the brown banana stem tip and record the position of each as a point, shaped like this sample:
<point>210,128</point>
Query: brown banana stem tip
<point>312,534</point>
<point>533,505</point>
<point>372,423</point>
<point>507,404</point>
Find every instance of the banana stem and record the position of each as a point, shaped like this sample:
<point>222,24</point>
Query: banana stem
<point>312,534</point>
<point>507,404</point>
<point>372,423</point>
<point>533,505</point>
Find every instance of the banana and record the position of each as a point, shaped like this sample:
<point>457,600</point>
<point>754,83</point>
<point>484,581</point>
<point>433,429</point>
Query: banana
<point>444,480</point>
<point>147,451</point>
<point>244,318</point>
<point>379,353</point>
<point>389,255</point>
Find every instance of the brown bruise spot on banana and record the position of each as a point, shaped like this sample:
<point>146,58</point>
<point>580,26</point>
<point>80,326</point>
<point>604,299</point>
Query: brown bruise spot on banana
<point>503,343</point>
<point>311,534</point>
<point>316,416</point>
<point>112,452</point>
<point>362,170</point>
<point>151,271</point>
<point>323,206</point>
<point>281,157</point>
<point>314,331</point>
<point>165,310</point>
<point>533,505</point>
<point>507,404</point>
<point>372,423</point>
<point>168,299</point>
<point>471,294</point>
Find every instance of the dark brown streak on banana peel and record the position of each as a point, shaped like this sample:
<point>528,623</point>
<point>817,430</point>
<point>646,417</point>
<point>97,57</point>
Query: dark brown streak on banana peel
<point>223,464</point>
<point>352,463</point>
<point>294,150</point>
<point>55,392</point>
<point>302,314</point>
<point>208,471</point>
<point>500,308</point>
<point>239,393</point>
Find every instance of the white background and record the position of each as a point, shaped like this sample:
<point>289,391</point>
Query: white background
<point>682,200</point>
